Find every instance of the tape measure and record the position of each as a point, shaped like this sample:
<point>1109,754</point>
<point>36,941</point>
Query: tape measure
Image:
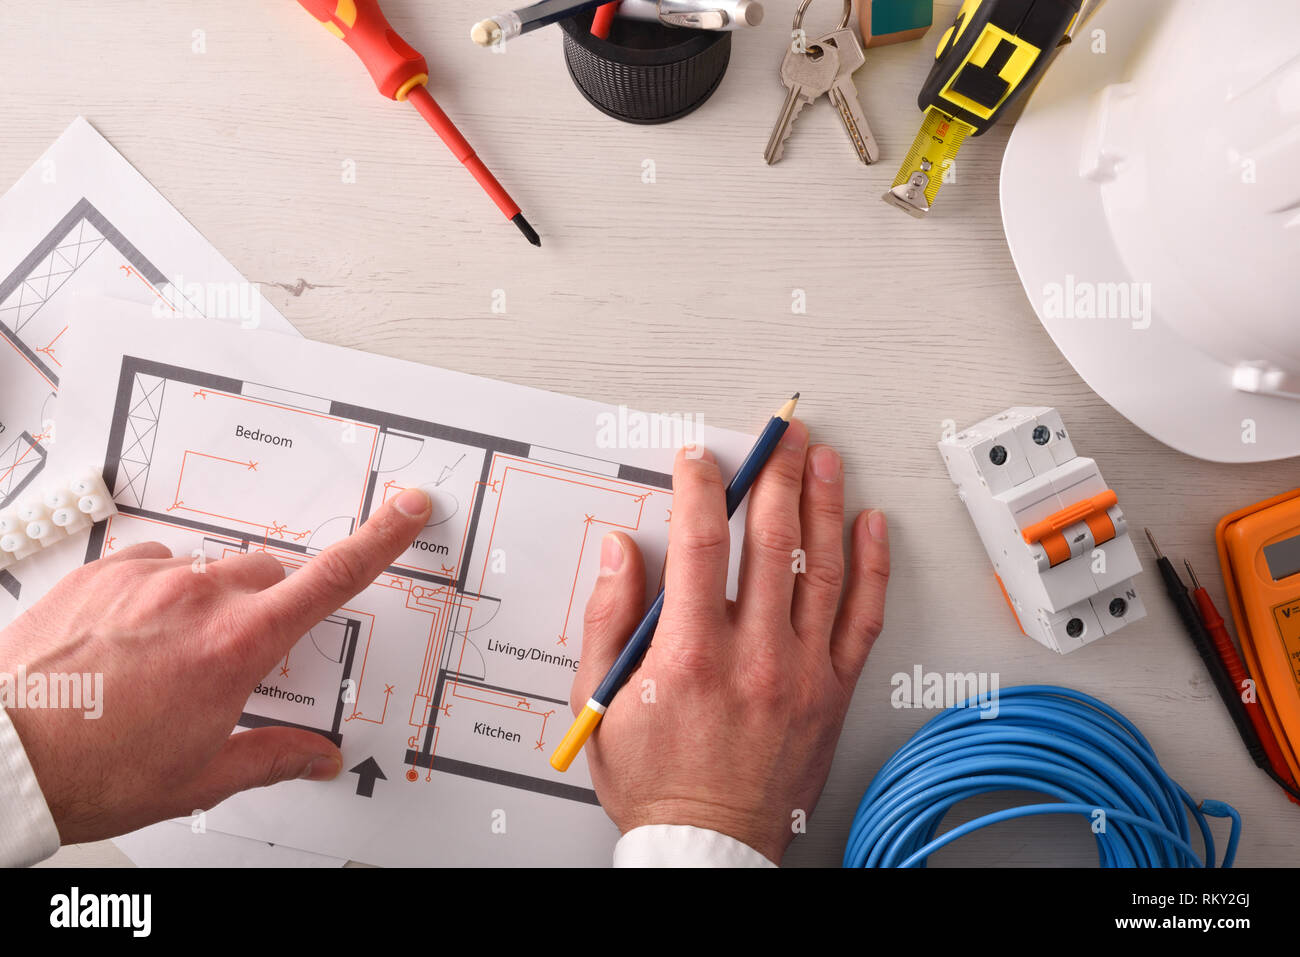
<point>1259,551</point>
<point>994,50</point>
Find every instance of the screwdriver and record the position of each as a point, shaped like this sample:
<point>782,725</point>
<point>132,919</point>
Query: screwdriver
<point>401,73</point>
<point>1238,675</point>
<point>1205,648</point>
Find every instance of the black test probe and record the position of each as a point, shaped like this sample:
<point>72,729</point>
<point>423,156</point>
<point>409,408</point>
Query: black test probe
<point>1182,600</point>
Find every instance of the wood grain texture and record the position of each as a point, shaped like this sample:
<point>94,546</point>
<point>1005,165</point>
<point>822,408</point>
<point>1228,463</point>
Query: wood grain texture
<point>669,296</point>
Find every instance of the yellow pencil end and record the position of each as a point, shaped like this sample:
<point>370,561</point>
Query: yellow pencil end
<point>583,725</point>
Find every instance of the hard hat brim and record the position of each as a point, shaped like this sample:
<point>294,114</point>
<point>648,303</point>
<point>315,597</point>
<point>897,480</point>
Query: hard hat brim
<point>1057,231</point>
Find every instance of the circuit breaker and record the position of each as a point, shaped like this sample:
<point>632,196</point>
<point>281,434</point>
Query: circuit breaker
<point>1053,529</point>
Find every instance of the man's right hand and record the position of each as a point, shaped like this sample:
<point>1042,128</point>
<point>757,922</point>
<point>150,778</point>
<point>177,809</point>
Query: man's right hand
<point>730,722</point>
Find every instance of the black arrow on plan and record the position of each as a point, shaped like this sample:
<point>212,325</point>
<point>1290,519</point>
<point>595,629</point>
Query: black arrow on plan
<point>368,772</point>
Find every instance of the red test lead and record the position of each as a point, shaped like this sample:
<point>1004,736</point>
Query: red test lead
<point>1232,662</point>
<point>401,73</point>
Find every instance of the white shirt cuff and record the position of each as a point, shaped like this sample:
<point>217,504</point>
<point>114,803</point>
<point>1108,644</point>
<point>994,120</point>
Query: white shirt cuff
<point>27,831</point>
<point>681,845</point>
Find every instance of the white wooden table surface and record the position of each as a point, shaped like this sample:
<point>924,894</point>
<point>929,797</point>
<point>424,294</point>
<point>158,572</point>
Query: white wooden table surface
<point>670,296</point>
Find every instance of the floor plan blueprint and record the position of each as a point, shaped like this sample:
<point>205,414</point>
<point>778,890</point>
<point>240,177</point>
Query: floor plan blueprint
<point>446,682</point>
<point>83,221</point>
<point>83,250</point>
<point>208,463</point>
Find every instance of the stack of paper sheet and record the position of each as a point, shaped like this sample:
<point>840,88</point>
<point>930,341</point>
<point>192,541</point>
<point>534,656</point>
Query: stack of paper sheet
<point>446,682</point>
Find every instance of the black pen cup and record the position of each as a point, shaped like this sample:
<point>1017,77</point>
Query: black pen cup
<point>645,72</point>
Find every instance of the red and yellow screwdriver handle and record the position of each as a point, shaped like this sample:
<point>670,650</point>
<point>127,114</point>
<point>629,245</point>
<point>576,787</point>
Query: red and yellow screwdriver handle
<point>395,67</point>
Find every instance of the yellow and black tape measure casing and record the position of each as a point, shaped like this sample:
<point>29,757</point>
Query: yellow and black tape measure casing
<point>985,57</point>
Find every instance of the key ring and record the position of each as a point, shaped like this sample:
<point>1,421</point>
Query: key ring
<point>805,4</point>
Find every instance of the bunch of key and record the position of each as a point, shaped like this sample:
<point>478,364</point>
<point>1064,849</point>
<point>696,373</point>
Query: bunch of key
<point>813,70</point>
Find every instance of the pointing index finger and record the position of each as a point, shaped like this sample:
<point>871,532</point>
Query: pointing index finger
<point>283,613</point>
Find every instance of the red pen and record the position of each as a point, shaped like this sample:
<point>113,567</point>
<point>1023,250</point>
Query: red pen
<point>603,20</point>
<point>401,73</point>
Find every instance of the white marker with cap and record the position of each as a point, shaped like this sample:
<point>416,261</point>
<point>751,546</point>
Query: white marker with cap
<point>696,14</point>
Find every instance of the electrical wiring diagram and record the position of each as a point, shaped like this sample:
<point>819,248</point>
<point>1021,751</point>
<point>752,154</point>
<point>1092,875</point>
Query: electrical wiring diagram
<point>84,250</point>
<point>446,681</point>
<point>459,659</point>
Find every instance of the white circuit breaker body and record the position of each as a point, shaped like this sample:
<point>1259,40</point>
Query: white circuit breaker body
<point>1053,529</point>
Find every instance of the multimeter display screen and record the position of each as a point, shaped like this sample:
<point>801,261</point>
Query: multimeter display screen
<point>1283,558</point>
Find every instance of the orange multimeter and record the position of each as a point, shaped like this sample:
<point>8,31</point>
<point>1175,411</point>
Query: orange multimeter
<point>1259,550</point>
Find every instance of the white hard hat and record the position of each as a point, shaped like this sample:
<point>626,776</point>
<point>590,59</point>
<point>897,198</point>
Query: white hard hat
<point>1151,199</point>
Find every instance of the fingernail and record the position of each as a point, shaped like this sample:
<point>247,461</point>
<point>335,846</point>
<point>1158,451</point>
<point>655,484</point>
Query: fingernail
<point>413,502</point>
<point>322,769</point>
<point>826,463</point>
<point>611,555</point>
<point>876,525</point>
<point>796,436</point>
<point>698,451</point>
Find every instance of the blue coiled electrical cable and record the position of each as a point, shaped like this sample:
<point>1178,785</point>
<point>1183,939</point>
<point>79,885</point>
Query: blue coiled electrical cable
<point>1053,741</point>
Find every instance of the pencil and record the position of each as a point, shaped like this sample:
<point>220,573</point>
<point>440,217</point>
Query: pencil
<point>585,723</point>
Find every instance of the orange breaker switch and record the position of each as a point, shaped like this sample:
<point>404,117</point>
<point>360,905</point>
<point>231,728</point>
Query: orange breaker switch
<point>1091,511</point>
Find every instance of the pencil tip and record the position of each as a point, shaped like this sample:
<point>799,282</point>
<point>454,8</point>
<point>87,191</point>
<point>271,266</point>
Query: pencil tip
<point>529,233</point>
<point>787,411</point>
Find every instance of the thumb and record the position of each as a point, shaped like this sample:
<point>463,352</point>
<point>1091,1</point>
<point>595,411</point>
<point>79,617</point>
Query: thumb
<point>613,612</point>
<point>262,757</point>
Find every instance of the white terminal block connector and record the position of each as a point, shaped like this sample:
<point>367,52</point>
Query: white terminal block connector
<point>93,497</point>
<point>39,521</point>
<point>1053,529</point>
<point>64,512</point>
